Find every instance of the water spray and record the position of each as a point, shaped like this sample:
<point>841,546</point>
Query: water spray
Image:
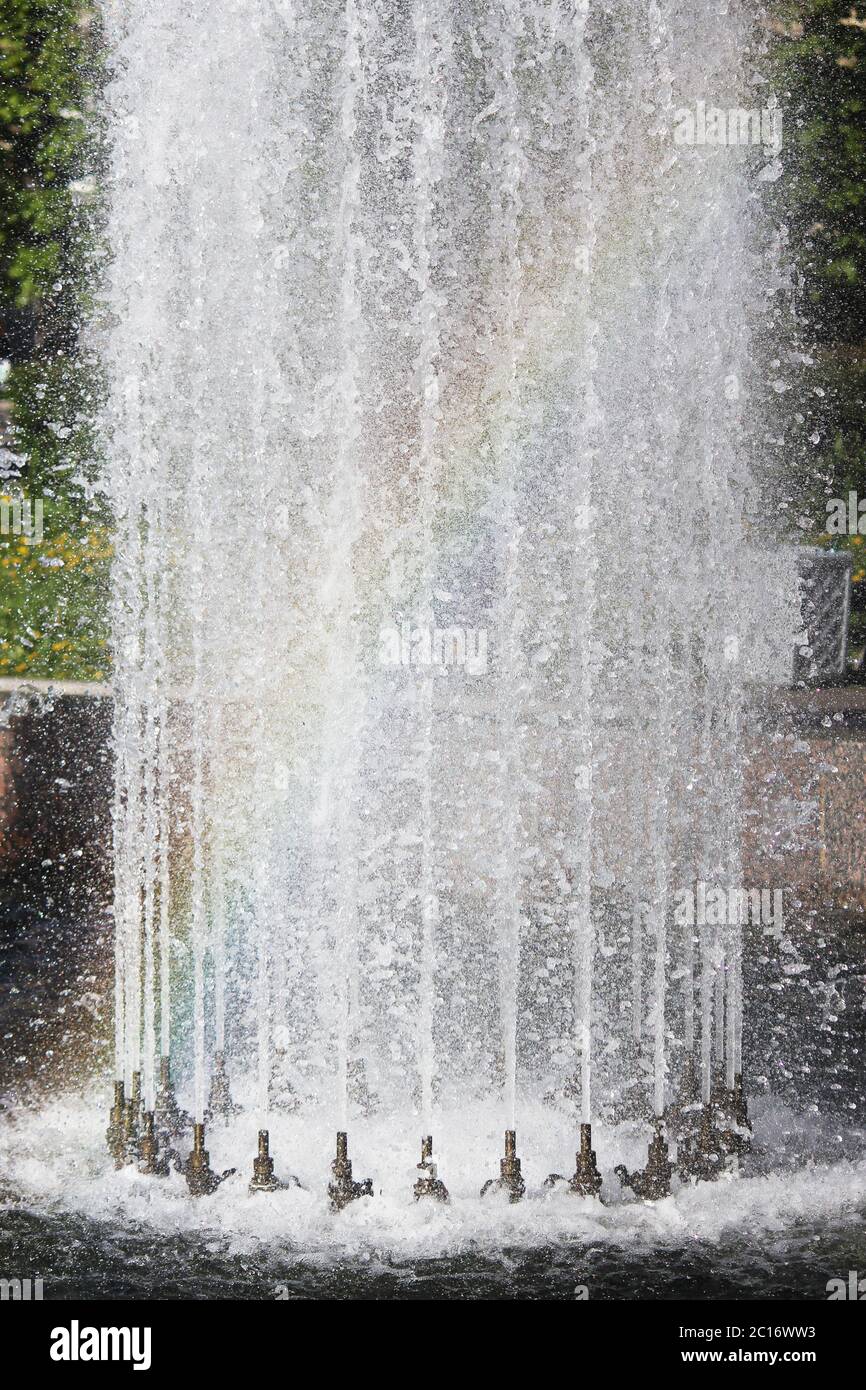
<point>220,1104</point>
<point>682,1116</point>
<point>170,1120</point>
<point>740,1109</point>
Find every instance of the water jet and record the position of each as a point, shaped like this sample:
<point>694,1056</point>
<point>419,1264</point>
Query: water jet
<point>740,1109</point>
<point>355,886</point>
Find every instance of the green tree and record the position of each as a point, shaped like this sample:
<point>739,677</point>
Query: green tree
<point>820,53</point>
<point>52,593</point>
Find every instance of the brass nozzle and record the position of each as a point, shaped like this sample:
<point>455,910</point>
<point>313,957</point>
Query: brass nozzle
<point>510,1178</point>
<point>342,1189</point>
<point>654,1181</point>
<point>264,1178</point>
<point>115,1135</point>
<point>151,1160</point>
<point>132,1119</point>
<point>586,1180</point>
<point>429,1184</point>
<point>200,1177</point>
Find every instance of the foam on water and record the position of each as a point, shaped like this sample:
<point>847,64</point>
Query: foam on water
<point>55,1162</point>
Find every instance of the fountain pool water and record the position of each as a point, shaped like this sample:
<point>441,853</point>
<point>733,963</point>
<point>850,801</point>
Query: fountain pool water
<point>431,436</point>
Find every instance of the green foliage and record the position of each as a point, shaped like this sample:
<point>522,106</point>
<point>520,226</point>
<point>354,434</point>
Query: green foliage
<point>44,65</point>
<point>820,51</point>
<point>52,590</point>
<point>822,58</point>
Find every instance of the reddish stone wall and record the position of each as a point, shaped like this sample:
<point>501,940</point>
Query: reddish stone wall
<point>805,817</point>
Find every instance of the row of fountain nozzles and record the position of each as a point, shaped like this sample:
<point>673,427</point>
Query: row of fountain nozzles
<point>708,1136</point>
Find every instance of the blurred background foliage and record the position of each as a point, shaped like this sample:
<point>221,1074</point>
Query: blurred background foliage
<point>53,591</point>
<point>53,596</point>
<point>819,56</point>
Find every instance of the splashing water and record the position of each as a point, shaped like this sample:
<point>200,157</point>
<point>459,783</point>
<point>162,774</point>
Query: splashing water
<point>429,449</point>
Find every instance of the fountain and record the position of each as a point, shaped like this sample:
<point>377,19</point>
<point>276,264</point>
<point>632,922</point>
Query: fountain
<point>420,321</point>
<point>417,347</point>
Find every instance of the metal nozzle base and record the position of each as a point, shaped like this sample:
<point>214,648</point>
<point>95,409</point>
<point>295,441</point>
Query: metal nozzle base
<point>586,1179</point>
<point>115,1135</point>
<point>264,1178</point>
<point>342,1189</point>
<point>653,1182</point>
<point>510,1178</point>
<point>429,1186</point>
<point>153,1160</point>
<point>702,1156</point>
<point>200,1177</point>
<point>133,1113</point>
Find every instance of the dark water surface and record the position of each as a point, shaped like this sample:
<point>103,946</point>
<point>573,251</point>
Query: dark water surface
<point>82,1259</point>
